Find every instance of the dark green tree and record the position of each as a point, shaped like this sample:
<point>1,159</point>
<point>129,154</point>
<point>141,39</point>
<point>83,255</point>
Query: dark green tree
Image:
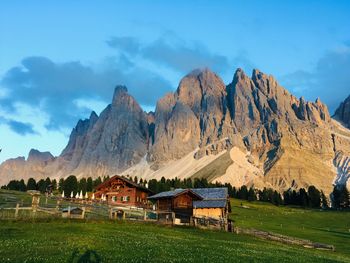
<point>31,184</point>
<point>60,185</point>
<point>314,197</point>
<point>324,201</point>
<point>42,185</point>
<point>89,184</point>
<point>303,197</point>
<point>70,185</point>
<point>251,194</point>
<point>82,186</point>
<point>22,186</point>
<point>54,184</point>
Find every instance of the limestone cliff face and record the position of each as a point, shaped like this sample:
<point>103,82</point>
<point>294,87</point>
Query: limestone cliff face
<point>343,112</point>
<point>283,142</point>
<point>194,118</point>
<point>21,168</point>
<point>110,143</point>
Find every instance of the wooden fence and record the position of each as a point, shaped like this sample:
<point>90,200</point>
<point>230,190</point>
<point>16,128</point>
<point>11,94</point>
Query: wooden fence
<point>283,239</point>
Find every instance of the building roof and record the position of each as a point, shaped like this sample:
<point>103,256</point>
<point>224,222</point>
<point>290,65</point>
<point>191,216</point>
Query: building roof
<point>210,197</point>
<point>212,193</point>
<point>210,203</point>
<point>130,182</point>
<point>174,193</point>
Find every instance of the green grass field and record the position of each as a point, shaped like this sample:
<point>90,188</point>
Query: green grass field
<point>330,227</point>
<point>59,240</point>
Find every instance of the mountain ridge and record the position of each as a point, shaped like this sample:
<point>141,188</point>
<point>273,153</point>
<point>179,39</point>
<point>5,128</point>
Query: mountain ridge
<point>273,138</point>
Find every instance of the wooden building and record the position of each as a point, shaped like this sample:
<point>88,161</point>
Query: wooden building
<point>73,212</point>
<point>199,203</point>
<point>121,191</point>
<point>215,203</point>
<point>179,201</point>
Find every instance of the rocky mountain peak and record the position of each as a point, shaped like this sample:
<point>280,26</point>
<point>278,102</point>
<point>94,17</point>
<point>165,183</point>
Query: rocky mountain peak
<point>342,113</point>
<point>37,156</point>
<point>119,92</point>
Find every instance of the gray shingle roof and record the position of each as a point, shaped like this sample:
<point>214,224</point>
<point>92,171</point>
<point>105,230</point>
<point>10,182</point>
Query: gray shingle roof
<point>210,203</point>
<point>211,193</point>
<point>167,194</point>
<point>212,197</point>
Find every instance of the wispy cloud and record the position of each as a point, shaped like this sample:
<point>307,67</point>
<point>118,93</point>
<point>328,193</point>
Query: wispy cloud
<point>330,80</point>
<point>172,52</point>
<point>56,87</point>
<point>21,128</point>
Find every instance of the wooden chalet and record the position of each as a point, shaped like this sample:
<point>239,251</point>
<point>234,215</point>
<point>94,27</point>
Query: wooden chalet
<point>215,203</point>
<point>196,203</point>
<point>121,191</point>
<point>179,201</point>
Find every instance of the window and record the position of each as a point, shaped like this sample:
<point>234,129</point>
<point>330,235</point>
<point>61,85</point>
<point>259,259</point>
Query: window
<point>114,198</point>
<point>126,198</point>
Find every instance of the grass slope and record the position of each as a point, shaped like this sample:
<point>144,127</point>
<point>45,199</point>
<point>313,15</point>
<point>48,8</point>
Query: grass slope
<point>330,227</point>
<point>60,241</point>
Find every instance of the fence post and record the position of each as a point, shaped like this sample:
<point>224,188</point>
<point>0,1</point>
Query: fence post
<point>83,214</point>
<point>17,208</point>
<point>173,217</point>
<point>145,215</point>
<point>124,214</point>
<point>68,214</point>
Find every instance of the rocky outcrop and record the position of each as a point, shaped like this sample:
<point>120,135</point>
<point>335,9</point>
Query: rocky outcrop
<point>282,141</point>
<point>343,112</point>
<point>110,143</point>
<point>34,166</point>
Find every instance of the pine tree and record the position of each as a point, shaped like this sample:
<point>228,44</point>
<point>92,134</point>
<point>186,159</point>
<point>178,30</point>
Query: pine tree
<point>324,201</point>
<point>31,184</point>
<point>314,197</point>
<point>22,186</point>
<point>60,185</point>
<point>89,184</point>
<point>42,185</point>
<point>70,185</point>
<point>251,195</point>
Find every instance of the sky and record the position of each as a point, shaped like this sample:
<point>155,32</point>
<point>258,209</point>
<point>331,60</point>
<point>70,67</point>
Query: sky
<point>60,60</point>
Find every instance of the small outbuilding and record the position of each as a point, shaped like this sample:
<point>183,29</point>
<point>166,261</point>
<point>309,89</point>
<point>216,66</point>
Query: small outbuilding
<point>194,203</point>
<point>215,203</point>
<point>73,212</point>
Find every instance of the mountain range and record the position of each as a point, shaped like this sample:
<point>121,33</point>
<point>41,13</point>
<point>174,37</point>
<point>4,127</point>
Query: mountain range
<point>250,132</point>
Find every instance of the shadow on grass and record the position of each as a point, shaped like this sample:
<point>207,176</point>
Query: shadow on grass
<point>89,256</point>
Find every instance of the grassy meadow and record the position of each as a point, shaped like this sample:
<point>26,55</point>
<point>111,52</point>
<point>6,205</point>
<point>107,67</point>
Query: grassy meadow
<point>58,240</point>
<point>329,227</point>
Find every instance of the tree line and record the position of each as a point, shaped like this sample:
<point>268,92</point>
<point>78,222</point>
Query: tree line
<point>68,185</point>
<point>310,197</point>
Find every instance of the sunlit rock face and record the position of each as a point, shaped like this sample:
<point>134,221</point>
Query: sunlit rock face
<point>343,112</point>
<point>272,138</point>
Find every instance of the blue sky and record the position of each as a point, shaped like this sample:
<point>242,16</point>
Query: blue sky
<point>61,59</point>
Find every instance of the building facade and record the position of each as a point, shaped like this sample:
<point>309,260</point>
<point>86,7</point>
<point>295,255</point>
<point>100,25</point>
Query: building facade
<point>121,191</point>
<point>194,203</point>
